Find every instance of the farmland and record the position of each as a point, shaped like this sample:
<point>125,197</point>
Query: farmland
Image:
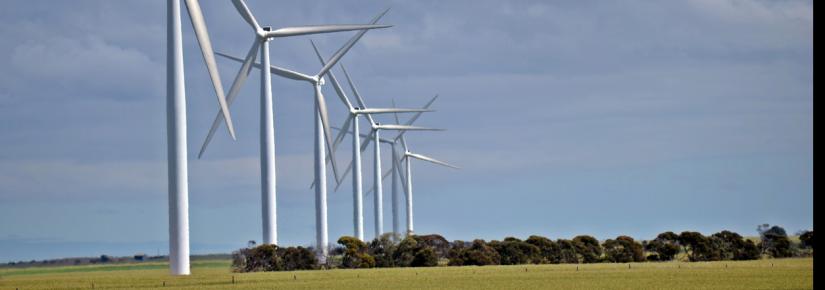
<point>215,274</point>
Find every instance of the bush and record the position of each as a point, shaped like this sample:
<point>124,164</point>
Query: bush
<point>382,249</point>
<point>355,253</point>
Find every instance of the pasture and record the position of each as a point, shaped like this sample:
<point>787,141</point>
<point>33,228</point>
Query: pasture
<point>216,274</point>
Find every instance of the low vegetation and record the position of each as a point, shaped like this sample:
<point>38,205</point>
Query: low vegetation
<point>390,251</point>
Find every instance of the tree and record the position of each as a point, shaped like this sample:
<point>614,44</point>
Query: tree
<point>478,254</point>
<point>299,258</point>
<point>515,252</point>
<point>440,245</point>
<point>405,253</point>
<point>588,248</point>
<point>567,252</point>
<point>666,246</point>
<point>731,246</point>
<point>697,246</point>
<point>456,253</point>
<point>260,258</point>
<point>806,239</point>
<point>623,249</point>
<point>775,241</point>
<point>425,257</point>
<point>548,250</point>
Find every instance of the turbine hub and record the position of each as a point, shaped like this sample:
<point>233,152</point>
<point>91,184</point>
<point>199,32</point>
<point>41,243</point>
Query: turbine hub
<point>267,28</point>
<point>321,81</point>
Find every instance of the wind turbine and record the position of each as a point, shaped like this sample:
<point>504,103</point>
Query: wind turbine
<point>178,174</point>
<point>353,113</point>
<point>395,166</point>
<point>267,139</point>
<point>375,129</point>
<point>322,129</point>
<point>408,184</point>
<point>396,173</point>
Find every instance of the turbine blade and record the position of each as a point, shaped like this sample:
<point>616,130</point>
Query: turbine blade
<point>315,29</point>
<point>198,23</point>
<point>406,127</point>
<point>430,159</point>
<point>279,71</point>
<point>338,90</point>
<point>401,174</point>
<point>415,117</point>
<point>344,175</point>
<point>342,133</point>
<point>383,176</point>
<point>357,95</point>
<point>391,110</point>
<point>404,143</point>
<point>347,46</point>
<point>322,111</point>
<point>243,73</point>
<point>367,140</point>
<point>396,114</point>
<point>240,5</point>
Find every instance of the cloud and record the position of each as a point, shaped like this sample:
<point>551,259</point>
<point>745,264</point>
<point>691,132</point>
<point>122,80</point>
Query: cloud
<point>85,67</point>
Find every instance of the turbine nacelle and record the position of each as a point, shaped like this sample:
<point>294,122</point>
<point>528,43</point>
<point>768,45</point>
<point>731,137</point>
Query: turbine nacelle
<point>262,31</point>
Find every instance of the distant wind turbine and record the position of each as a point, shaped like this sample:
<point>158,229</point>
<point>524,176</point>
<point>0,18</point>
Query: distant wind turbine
<point>352,117</point>
<point>375,129</point>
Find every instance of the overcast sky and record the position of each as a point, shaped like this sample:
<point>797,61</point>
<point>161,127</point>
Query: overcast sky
<point>567,117</point>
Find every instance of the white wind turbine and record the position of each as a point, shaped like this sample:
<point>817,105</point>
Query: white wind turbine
<point>178,174</point>
<point>408,183</point>
<point>322,129</point>
<point>396,173</point>
<point>352,117</point>
<point>395,166</point>
<point>375,128</point>
<point>267,139</point>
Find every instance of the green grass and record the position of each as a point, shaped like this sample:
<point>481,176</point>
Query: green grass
<point>215,274</point>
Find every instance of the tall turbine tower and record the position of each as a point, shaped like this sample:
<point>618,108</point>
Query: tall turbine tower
<point>375,128</point>
<point>176,126</point>
<point>267,127</point>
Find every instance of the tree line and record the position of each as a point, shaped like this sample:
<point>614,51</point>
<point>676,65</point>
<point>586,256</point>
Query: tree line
<point>434,250</point>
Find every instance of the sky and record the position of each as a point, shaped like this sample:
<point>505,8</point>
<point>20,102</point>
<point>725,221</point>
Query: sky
<point>567,117</point>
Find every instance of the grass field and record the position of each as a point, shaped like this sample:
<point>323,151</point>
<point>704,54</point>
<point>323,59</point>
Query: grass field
<point>215,274</point>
